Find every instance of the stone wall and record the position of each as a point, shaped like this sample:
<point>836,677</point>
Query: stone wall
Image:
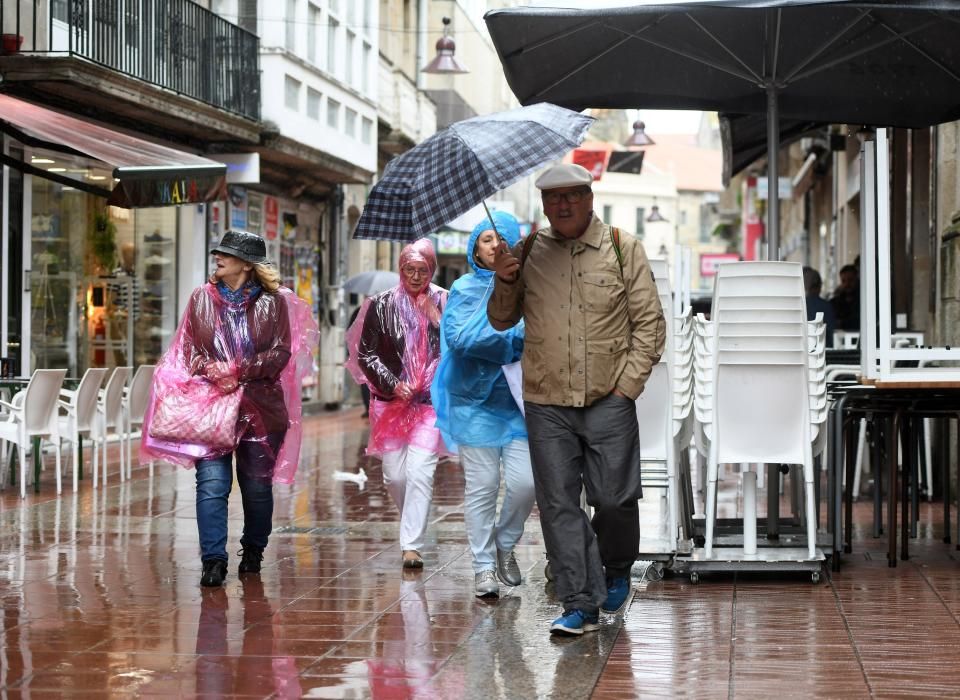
<point>948,224</point>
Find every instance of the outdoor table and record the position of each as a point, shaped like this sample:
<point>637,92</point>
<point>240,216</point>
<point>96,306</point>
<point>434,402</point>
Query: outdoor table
<point>896,409</point>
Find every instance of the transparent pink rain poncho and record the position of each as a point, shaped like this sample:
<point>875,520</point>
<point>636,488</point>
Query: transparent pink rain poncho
<point>395,339</point>
<point>268,341</point>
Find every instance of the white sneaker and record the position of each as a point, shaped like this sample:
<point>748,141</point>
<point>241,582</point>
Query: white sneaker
<point>486,584</point>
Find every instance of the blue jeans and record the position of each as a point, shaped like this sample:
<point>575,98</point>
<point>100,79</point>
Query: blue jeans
<point>214,481</point>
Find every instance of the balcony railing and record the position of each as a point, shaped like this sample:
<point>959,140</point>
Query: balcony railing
<point>176,44</point>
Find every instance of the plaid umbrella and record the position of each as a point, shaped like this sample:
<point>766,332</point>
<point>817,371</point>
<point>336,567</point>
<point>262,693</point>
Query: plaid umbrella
<point>456,168</point>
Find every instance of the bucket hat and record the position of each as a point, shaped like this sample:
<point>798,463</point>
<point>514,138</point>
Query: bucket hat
<point>244,245</point>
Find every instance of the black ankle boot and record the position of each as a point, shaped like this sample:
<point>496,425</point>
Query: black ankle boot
<point>214,571</point>
<point>250,560</point>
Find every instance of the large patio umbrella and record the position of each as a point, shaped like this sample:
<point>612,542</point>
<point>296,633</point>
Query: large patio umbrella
<point>880,63</point>
<point>744,138</point>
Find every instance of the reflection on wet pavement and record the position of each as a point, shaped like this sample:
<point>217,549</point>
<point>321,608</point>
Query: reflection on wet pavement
<point>99,594</point>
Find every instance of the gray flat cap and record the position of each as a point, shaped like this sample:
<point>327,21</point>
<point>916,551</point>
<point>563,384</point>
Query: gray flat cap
<point>564,175</point>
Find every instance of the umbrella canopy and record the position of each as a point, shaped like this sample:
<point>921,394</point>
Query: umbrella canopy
<point>878,63</point>
<point>371,282</point>
<point>456,168</point>
<point>744,138</point>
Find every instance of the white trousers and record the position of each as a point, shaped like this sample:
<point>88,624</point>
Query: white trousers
<point>481,474</point>
<point>408,476</point>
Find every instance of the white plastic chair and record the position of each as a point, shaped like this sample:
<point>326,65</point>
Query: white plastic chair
<point>32,413</point>
<point>81,408</point>
<point>110,417</point>
<point>664,406</point>
<point>753,396</point>
<point>134,405</point>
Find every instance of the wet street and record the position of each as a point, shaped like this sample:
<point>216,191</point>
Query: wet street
<point>100,597</point>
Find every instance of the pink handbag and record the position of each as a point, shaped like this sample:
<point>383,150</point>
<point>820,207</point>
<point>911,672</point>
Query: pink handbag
<point>202,415</point>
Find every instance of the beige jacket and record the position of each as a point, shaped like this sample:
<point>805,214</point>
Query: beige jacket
<point>589,329</point>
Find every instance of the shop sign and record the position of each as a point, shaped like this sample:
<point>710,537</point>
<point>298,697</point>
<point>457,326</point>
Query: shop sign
<point>594,160</point>
<point>451,243</point>
<point>289,225</point>
<point>709,262</point>
<point>242,168</point>
<point>238,207</point>
<point>163,191</point>
<point>271,213</point>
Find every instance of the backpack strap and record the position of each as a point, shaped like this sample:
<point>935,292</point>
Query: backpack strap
<point>615,239</point>
<point>527,246</point>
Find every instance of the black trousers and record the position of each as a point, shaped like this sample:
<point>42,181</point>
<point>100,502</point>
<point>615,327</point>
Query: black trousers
<point>596,448</point>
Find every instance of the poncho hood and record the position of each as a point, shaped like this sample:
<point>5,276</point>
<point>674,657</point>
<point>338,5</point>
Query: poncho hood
<point>506,225</point>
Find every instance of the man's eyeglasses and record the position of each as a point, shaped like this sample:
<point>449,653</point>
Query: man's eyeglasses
<point>414,271</point>
<point>571,197</point>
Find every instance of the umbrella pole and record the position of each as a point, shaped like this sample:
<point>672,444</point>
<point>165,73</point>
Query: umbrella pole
<point>490,219</point>
<point>773,171</point>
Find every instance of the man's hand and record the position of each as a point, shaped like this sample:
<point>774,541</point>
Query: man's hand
<point>403,391</point>
<point>505,264</point>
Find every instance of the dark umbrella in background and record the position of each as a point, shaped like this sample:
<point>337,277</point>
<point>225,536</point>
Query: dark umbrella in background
<point>876,63</point>
<point>371,282</point>
<point>458,167</point>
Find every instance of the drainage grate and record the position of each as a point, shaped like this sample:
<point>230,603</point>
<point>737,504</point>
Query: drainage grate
<point>296,530</point>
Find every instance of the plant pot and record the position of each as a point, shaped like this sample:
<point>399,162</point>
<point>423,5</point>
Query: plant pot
<point>10,44</point>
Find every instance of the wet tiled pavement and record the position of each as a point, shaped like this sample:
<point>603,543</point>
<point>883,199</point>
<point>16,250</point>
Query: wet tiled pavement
<point>100,597</point>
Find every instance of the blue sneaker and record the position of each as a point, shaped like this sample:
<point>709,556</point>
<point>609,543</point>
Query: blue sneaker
<point>574,623</point>
<point>618,592</point>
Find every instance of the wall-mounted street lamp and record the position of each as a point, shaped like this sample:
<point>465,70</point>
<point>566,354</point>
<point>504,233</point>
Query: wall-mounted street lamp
<point>655,215</point>
<point>639,136</point>
<point>445,63</point>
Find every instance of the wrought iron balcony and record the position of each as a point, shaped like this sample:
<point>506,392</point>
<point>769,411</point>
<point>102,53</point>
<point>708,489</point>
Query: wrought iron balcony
<point>175,44</point>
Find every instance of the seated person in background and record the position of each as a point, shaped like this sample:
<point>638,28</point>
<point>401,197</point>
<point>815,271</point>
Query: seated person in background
<point>846,299</point>
<point>813,283</point>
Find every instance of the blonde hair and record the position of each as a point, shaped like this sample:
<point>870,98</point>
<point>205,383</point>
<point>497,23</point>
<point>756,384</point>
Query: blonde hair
<point>267,276</point>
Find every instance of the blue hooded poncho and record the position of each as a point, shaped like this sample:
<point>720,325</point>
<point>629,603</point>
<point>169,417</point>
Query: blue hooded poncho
<point>473,403</point>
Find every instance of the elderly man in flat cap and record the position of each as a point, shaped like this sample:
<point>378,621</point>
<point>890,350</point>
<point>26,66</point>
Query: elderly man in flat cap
<point>594,330</point>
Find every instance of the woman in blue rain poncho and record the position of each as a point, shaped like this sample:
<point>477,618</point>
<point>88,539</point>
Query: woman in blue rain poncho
<point>478,416</point>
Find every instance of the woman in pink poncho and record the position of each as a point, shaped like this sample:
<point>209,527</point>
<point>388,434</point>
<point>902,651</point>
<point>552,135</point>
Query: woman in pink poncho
<point>394,349</point>
<point>241,332</point>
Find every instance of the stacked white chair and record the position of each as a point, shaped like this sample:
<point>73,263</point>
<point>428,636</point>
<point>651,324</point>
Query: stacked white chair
<point>32,413</point>
<point>81,411</point>
<point>664,406</point>
<point>135,405</point>
<point>110,418</point>
<point>752,383</point>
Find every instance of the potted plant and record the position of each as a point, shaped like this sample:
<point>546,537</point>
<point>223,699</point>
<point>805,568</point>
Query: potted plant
<point>10,44</point>
<point>103,244</point>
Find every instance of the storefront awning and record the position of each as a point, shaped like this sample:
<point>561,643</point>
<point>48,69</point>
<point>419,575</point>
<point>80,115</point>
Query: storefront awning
<point>149,175</point>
